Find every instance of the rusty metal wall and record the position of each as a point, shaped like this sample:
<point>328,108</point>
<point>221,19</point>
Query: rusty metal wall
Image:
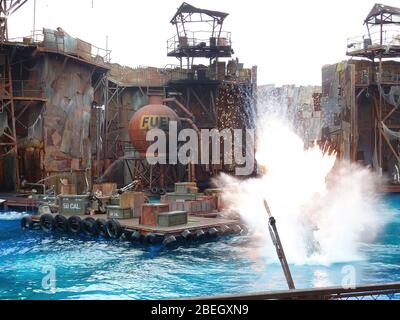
<point>69,95</point>
<point>60,41</point>
<point>338,105</point>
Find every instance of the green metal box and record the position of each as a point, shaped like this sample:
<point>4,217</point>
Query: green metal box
<point>185,187</point>
<point>170,219</point>
<point>73,205</point>
<point>180,196</point>
<point>116,212</point>
<point>115,200</point>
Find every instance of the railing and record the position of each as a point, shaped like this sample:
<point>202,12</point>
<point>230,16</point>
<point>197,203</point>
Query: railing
<point>141,76</point>
<point>61,42</point>
<point>176,73</point>
<point>22,89</point>
<point>365,77</point>
<point>27,88</point>
<point>198,39</point>
<point>384,291</point>
<point>390,38</point>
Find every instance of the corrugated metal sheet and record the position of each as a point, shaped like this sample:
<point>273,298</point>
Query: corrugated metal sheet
<point>136,77</point>
<point>67,115</point>
<point>60,41</point>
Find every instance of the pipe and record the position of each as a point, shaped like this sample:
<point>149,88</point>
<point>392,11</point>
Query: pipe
<point>279,248</point>
<point>192,124</point>
<point>87,189</point>
<point>180,106</point>
<point>191,166</point>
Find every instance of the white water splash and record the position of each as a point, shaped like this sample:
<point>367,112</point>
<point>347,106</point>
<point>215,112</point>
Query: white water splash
<point>12,215</point>
<point>324,209</point>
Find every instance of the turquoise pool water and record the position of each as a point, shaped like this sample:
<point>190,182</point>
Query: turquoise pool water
<point>81,268</point>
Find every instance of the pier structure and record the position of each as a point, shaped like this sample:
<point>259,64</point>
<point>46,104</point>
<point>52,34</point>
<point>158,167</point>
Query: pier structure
<point>66,107</point>
<point>361,97</point>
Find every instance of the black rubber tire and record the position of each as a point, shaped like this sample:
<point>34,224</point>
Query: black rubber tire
<point>236,229</point>
<point>61,223</point>
<point>245,230</point>
<point>136,237</point>
<point>212,233</point>
<point>187,235</point>
<point>36,225</point>
<point>150,239</point>
<point>127,235</point>
<point>170,242</point>
<point>199,235</point>
<point>89,227</point>
<point>27,223</point>
<point>225,230</point>
<point>114,229</point>
<point>75,224</point>
<point>155,190</point>
<point>101,226</point>
<point>47,223</point>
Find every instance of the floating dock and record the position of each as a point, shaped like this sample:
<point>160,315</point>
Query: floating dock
<point>197,229</point>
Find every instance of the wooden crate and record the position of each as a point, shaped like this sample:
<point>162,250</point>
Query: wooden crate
<point>183,187</point>
<point>216,195</point>
<point>179,196</point>
<point>193,190</point>
<point>107,189</point>
<point>150,212</point>
<point>170,219</point>
<point>116,212</point>
<point>133,200</point>
<point>115,200</point>
<point>68,189</point>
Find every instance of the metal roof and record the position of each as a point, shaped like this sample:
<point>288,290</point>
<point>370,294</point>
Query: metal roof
<point>186,8</point>
<point>380,9</point>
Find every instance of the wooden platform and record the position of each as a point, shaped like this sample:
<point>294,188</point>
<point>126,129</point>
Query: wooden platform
<point>18,200</point>
<point>194,223</point>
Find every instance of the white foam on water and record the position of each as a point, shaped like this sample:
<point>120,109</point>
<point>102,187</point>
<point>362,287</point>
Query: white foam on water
<point>12,215</point>
<point>325,209</point>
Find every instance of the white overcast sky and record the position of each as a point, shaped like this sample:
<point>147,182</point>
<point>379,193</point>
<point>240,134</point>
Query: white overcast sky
<point>289,40</point>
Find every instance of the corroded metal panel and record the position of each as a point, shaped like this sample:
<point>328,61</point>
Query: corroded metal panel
<point>67,115</point>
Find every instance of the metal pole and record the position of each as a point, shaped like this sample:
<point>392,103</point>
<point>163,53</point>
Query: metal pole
<point>279,248</point>
<point>34,20</point>
<point>106,114</point>
<point>99,142</point>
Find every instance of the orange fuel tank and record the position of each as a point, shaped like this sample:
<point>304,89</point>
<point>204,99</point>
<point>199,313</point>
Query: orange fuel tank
<point>152,116</point>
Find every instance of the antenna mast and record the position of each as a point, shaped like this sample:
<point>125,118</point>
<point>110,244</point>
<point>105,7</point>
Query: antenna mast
<point>7,8</point>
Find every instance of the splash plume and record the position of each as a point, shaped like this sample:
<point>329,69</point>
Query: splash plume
<point>324,208</point>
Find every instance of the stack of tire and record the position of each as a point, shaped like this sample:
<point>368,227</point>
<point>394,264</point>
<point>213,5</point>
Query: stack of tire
<point>75,225</point>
